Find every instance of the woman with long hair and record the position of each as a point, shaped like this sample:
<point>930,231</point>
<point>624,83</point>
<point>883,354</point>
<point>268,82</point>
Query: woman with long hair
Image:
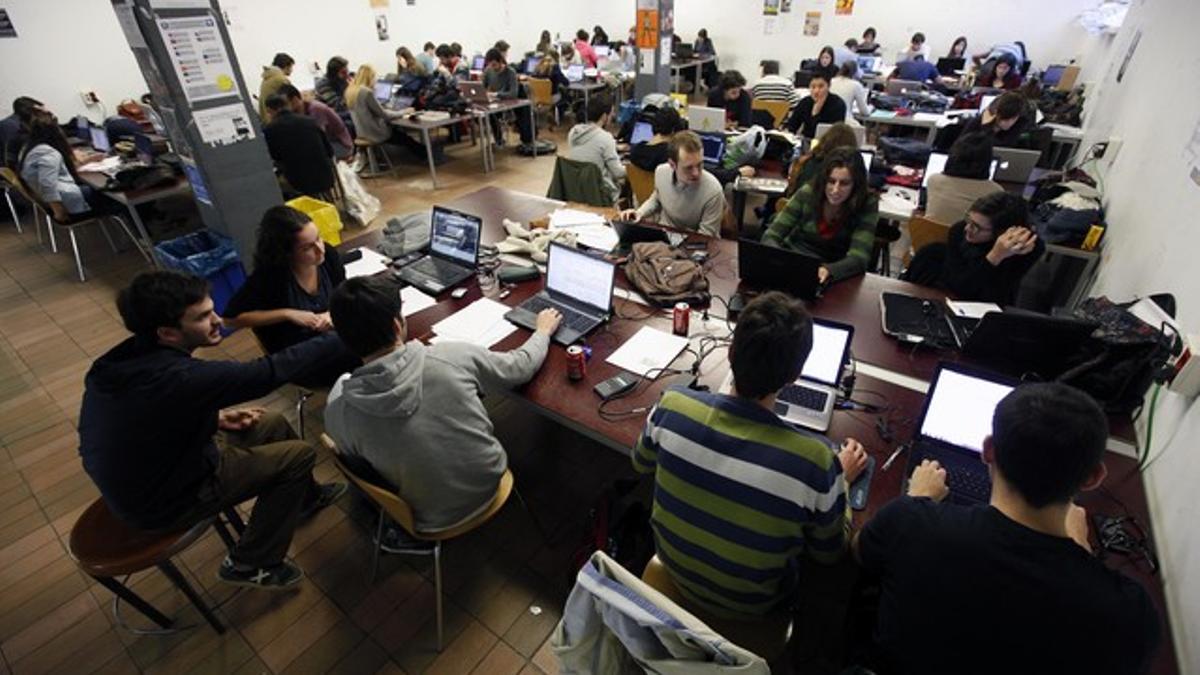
<point>832,219</point>
<point>47,166</point>
<point>958,50</point>
<point>286,300</point>
<point>408,65</point>
<point>371,120</point>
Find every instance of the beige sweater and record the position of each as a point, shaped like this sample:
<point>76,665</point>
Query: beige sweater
<point>949,197</point>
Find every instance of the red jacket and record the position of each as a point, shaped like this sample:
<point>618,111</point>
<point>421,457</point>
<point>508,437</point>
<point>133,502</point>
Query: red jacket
<point>586,53</point>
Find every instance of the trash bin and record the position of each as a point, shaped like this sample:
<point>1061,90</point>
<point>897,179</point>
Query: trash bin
<point>324,215</point>
<point>206,254</point>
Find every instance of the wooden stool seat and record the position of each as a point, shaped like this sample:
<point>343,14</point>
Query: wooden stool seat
<point>363,143</point>
<point>106,547</point>
<point>767,637</point>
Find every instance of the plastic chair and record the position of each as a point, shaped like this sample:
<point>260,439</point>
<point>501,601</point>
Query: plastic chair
<point>641,182</point>
<point>778,109</point>
<point>106,548</point>
<point>767,637</point>
<point>541,93</point>
<point>922,232</point>
<point>374,165</point>
<point>391,505</point>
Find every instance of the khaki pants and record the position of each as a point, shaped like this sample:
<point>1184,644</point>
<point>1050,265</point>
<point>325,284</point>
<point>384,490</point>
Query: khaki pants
<point>266,461</point>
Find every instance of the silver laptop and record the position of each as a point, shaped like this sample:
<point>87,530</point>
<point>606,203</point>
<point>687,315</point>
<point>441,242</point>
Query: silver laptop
<point>937,164</point>
<point>474,92</point>
<point>904,87</point>
<point>860,132</point>
<point>453,252</point>
<point>809,400</point>
<point>1015,165</point>
<point>579,285</point>
<point>706,120</point>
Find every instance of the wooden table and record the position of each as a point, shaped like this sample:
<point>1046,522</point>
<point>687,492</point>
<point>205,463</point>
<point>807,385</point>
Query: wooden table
<point>424,125</point>
<point>855,302</point>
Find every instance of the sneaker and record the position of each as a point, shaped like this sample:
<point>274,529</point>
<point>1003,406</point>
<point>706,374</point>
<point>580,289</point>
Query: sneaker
<point>396,540</point>
<point>275,578</point>
<point>326,495</point>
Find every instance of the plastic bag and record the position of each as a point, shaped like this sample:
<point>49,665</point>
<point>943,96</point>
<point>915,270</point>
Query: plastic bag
<point>361,205</point>
<point>746,148</point>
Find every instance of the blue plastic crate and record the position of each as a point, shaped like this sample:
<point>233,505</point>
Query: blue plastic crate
<point>206,254</point>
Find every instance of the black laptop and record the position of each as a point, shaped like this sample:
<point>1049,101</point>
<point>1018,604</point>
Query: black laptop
<point>631,233</point>
<point>769,268</point>
<point>453,252</point>
<point>579,285</point>
<point>956,418</point>
<point>949,67</point>
<point>922,321</point>
<point>1020,342</point>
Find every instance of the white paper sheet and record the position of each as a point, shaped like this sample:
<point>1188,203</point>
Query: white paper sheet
<point>927,117</point>
<point>648,349</point>
<point>199,56</point>
<point>413,300</point>
<point>572,218</point>
<point>482,322</point>
<point>224,125</point>
<point>369,264</point>
<point>971,310</point>
<point>598,237</point>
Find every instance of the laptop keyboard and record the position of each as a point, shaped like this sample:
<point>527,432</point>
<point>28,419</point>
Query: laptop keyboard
<point>433,267</point>
<point>804,397</point>
<point>965,485</point>
<point>571,318</point>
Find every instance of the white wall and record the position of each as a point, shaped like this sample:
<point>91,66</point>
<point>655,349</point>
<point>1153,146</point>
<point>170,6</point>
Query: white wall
<point>1151,247</point>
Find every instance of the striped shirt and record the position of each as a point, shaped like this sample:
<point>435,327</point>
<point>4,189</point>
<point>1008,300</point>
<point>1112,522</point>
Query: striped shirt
<point>739,497</point>
<point>775,88</point>
<point>845,247</point>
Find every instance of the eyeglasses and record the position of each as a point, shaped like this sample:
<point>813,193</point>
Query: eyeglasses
<point>972,225</point>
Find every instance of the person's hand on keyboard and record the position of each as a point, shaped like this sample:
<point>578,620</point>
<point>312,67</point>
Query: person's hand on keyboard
<point>853,458</point>
<point>547,321</point>
<point>928,480</point>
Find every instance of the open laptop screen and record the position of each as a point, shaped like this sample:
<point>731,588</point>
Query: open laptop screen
<point>580,276</point>
<point>824,363</point>
<point>100,140</point>
<point>478,63</point>
<point>455,235</point>
<point>714,147</point>
<point>937,164</point>
<point>574,72</point>
<point>642,132</point>
<point>960,409</point>
<point>383,91</point>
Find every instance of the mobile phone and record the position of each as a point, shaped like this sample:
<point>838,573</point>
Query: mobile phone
<point>615,386</point>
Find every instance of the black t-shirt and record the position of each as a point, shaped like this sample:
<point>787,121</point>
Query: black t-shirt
<point>738,110</point>
<point>803,121</point>
<point>967,590</point>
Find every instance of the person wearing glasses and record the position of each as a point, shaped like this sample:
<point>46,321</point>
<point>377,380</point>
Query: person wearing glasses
<point>986,254</point>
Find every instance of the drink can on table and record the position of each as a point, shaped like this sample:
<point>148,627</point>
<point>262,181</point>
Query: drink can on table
<point>681,316</point>
<point>576,363</point>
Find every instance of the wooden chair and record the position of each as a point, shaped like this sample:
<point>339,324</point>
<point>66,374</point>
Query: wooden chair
<point>767,637</point>
<point>9,180</point>
<point>106,548</point>
<point>778,109</point>
<point>374,165</point>
<point>541,94</point>
<point>392,506</point>
<point>922,232</point>
<point>641,182</point>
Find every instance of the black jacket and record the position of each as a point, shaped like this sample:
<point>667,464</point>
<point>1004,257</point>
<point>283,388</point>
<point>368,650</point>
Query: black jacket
<point>149,414</point>
<point>969,276</point>
<point>737,110</point>
<point>302,152</point>
<point>803,122</point>
<point>648,157</point>
<point>267,289</point>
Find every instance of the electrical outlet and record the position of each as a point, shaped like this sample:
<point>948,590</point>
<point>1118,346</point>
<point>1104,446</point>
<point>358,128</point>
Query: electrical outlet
<point>89,97</point>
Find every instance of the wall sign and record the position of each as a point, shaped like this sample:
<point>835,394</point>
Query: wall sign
<point>6,27</point>
<point>647,28</point>
<point>198,54</point>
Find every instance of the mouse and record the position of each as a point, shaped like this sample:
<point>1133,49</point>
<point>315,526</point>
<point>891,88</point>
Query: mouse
<point>737,302</point>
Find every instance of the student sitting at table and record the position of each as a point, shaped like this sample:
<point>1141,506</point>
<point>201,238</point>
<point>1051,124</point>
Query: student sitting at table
<point>703,45</point>
<point>727,469</point>
<point>545,44</point>
<point>548,69</point>
<point>447,70</point>
<point>773,86</point>
<point>986,254</point>
<point>1009,118</point>
<point>916,46</point>
<point>327,121</point>
<point>371,121</point>
<point>500,79</point>
<point>958,50</point>
<point>48,168</point>
<point>570,57</point>
<point>832,219</point>
<point>1003,74</point>
<point>14,129</point>
<point>586,54</point>
<point>844,53</point>
<point>966,178</point>
<point>414,413</point>
<point>331,89</point>
<point>274,76</point>
<point>826,63</point>
<point>868,46</point>
<point>599,37</point>
<point>852,92</point>
<point>462,68</point>
<point>685,196</point>
<point>428,57</point>
<point>408,67</point>
<point>286,300</point>
<point>805,167</point>
<point>299,149</point>
<point>648,155</point>
<point>589,141</point>
<point>1017,573</point>
<point>731,95</point>
<point>916,69</point>
<point>819,107</point>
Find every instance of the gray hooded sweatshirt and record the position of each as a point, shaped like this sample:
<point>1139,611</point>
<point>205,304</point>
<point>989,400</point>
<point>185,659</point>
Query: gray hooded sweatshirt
<point>590,143</point>
<point>417,416</point>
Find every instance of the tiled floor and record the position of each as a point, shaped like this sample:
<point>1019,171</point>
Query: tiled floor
<point>505,586</point>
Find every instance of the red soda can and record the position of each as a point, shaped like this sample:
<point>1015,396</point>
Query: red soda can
<point>681,315</point>
<point>576,363</point>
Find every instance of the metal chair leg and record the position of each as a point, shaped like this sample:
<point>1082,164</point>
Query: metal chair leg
<point>50,230</point>
<point>537,524</point>
<point>300,401</point>
<point>108,237</point>
<point>137,243</point>
<point>377,547</point>
<point>168,568</point>
<point>125,593</point>
<point>437,588</point>
<point>13,210</point>
<point>37,222</point>
<point>78,258</point>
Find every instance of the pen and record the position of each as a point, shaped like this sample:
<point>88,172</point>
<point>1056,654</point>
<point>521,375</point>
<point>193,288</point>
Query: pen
<point>892,457</point>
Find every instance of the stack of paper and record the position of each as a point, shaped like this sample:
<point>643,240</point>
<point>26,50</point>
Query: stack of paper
<point>369,264</point>
<point>574,218</point>
<point>413,301</point>
<point>590,229</point>
<point>482,322</point>
<point>648,350</point>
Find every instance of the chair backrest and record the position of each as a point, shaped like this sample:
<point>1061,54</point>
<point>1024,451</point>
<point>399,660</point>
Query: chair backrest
<point>12,178</point>
<point>923,232</point>
<point>388,500</point>
<point>541,91</point>
<point>641,182</point>
<point>778,109</point>
<point>579,182</point>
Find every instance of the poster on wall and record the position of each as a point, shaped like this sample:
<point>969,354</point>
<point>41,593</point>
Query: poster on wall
<point>379,4</point>
<point>381,27</point>
<point>770,7</point>
<point>199,57</point>
<point>6,27</point>
<point>785,6</point>
<point>647,31</point>
<point>224,125</point>
<point>812,23</point>
<point>844,7</point>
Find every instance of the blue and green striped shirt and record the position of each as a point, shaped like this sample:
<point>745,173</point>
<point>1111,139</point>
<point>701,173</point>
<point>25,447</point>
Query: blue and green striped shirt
<point>739,497</point>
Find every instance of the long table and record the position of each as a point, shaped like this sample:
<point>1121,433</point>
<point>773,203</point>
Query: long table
<point>855,301</point>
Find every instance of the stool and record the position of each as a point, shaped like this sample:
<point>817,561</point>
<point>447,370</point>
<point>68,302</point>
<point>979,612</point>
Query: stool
<point>106,548</point>
<point>767,637</point>
<point>373,165</point>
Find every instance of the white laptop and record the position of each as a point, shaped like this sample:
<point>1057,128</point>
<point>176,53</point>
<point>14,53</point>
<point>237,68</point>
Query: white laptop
<point>1015,165</point>
<point>868,157</point>
<point>985,101</point>
<point>574,72</point>
<point>937,164</point>
<point>706,120</point>
<point>809,400</point>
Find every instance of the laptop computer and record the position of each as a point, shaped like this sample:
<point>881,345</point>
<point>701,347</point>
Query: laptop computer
<point>904,87</point>
<point>99,140</point>
<point>957,416</point>
<point>684,51</point>
<point>474,92</point>
<point>642,132</point>
<point>769,268</point>
<point>1053,76</point>
<point>400,102</point>
<point>383,91</point>
<point>809,400</point>
<point>145,148</point>
<point>986,100</point>
<point>949,67</point>
<point>937,164</point>
<point>922,321</point>
<point>531,64</point>
<point>630,233</point>
<point>1019,342</point>
<point>453,252</point>
<point>704,120</point>
<point>478,62</point>
<point>579,285</point>
<point>714,148</point>
<point>860,132</point>
<point>869,64</point>
<point>1015,165</point>
<point>574,72</point>
<point>601,51</point>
